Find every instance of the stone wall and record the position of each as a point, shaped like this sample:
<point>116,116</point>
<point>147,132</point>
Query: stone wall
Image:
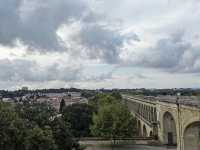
<point>175,123</point>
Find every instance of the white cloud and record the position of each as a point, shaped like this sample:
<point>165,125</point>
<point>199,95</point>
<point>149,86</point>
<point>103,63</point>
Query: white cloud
<point>59,43</point>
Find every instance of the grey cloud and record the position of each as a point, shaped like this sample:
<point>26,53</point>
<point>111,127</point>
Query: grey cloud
<point>70,73</point>
<point>101,42</point>
<point>9,20</point>
<point>168,52</point>
<point>12,70</point>
<point>141,76</point>
<point>29,71</point>
<point>173,54</point>
<point>100,77</point>
<point>35,22</point>
<point>190,62</point>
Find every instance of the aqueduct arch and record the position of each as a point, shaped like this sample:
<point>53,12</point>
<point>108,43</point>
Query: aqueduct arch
<point>169,128</point>
<point>192,136</point>
<point>172,121</point>
<point>144,131</point>
<point>151,134</point>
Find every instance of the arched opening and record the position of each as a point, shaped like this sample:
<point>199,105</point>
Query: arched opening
<point>169,128</point>
<point>151,134</point>
<point>154,115</point>
<point>144,131</point>
<point>151,117</point>
<point>139,128</point>
<point>192,137</point>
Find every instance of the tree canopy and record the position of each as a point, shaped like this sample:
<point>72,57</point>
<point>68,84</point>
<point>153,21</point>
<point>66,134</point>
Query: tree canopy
<point>112,119</point>
<point>79,116</point>
<point>33,126</point>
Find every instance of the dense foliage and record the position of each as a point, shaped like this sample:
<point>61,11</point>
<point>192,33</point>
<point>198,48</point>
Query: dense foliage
<point>33,126</point>
<point>30,125</point>
<point>79,117</point>
<point>112,118</point>
<point>101,99</point>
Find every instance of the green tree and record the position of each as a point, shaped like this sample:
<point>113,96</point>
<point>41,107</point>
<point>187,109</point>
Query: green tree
<point>113,121</point>
<point>104,99</point>
<point>62,105</point>
<point>40,114</point>
<point>40,139</point>
<point>79,116</point>
<point>116,95</point>
<point>33,126</point>
<point>12,128</point>
<point>62,134</point>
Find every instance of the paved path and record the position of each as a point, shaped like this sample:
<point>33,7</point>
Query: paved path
<point>132,147</point>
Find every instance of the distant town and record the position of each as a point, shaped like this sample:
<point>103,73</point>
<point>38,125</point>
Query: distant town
<point>52,97</point>
<point>74,95</point>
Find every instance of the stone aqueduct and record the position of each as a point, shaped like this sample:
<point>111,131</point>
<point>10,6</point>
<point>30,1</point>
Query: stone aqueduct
<point>172,122</point>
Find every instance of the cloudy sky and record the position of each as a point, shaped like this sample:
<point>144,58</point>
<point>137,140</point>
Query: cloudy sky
<point>99,43</point>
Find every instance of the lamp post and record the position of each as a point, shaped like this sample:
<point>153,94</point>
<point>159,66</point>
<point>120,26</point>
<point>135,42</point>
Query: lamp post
<point>179,124</point>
